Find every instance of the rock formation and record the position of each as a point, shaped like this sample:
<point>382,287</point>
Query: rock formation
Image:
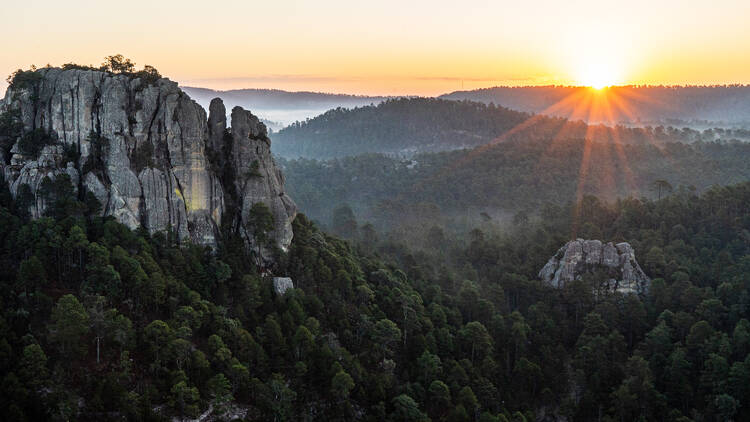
<point>580,256</point>
<point>282,284</point>
<point>149,154</point>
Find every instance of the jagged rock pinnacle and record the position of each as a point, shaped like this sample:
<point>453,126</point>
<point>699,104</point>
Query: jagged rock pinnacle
<point>148,153</point>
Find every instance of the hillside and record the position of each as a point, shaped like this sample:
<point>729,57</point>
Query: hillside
<point>102,323</point>
<point>407,126</point>
<point>500,180</point>
<point>401,126</point>
<point>694,105</point>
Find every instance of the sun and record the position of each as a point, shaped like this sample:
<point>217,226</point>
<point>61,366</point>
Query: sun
<point>598,73</point>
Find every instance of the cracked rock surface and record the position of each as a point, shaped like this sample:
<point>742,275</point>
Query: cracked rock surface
<point>163,161</point>
<point>580,256</point>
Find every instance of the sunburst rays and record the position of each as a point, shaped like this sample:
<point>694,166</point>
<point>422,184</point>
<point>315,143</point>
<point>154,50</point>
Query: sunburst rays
<point>603,109</point>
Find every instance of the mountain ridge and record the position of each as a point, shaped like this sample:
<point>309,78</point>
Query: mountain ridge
<point>408,126</point>
<point>633,104</point>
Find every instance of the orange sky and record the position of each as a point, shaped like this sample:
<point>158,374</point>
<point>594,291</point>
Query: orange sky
<point>391,47</point>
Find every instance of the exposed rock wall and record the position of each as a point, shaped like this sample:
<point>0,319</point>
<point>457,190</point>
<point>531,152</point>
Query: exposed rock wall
<point>162,159</point>
<point>257,177</point>
<point>282,284</point>
<point>580,256</point>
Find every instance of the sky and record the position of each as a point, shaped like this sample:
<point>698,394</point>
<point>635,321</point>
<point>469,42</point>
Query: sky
<point>390,47</point>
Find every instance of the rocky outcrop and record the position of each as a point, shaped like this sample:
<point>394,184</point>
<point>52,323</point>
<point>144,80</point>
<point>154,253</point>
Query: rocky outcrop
<point>149,154</point>
<point>282,284</point>
<point>579,257</point>
<point>257,179</point>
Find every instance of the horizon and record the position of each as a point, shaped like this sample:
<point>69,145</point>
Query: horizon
<point>638,86</point>
<point>182,85</point>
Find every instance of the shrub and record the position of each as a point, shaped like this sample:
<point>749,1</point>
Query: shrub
<point>71,154</point>
<point>149,75</point>
<point>24,79</point>
<point>11,128</point>
<point>75,66</point>
<point>143,157</point>
<point>95,160</point>
<point>254,170</point>
<point>118,64</point>
<point>31,143</point>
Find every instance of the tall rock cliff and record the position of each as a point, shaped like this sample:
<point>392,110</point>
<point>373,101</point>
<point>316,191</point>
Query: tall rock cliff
<point>578,257</point>
<point>148,153</point>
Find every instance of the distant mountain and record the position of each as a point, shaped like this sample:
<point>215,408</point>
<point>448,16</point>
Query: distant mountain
<point>280,108</point>
<point>398,126</point>
<point>408,126</point>
<point>696,105</point>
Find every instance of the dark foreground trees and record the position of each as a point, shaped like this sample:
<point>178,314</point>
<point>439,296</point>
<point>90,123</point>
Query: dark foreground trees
<point>100,322</point>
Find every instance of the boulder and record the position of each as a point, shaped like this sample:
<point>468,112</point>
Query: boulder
<point>580,256</point>
<point>282,284</point>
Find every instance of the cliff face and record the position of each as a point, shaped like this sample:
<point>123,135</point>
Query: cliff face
<point>148,153</point>
<point>580,256</point>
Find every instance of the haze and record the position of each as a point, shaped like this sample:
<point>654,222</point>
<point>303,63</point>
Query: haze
<point>390,47</point>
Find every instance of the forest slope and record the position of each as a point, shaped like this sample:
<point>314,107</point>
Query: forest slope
<point>100,322</point>
<point>405,126</point>
<point>505,178</point>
